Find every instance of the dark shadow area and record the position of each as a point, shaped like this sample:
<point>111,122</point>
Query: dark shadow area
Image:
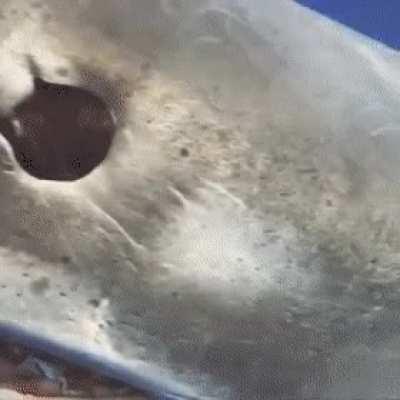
<point>59,132</point>
<point>36,373</point>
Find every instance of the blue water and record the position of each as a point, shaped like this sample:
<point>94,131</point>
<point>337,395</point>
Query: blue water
<point>378,19</point>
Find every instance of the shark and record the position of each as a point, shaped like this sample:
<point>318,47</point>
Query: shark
<point>238,239</point>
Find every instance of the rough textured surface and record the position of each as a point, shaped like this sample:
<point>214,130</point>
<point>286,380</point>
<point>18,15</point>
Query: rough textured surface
<point>241,235</point>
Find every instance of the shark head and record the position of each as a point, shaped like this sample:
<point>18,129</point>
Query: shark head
<point>238,241</point>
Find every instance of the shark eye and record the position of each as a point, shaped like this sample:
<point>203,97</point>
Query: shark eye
<point>59,132</point>
<point>40,375</point>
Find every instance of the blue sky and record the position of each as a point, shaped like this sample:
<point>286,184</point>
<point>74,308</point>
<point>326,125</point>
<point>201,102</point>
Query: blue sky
<point>379,19</point>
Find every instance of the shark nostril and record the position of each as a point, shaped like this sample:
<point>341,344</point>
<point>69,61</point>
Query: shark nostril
<point>60,132</point>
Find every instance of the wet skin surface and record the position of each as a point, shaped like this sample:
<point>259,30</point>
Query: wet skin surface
<point>259,263</point>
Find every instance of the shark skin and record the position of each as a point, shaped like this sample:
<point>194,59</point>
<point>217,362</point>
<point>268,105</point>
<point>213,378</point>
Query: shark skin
<point>239,241</point>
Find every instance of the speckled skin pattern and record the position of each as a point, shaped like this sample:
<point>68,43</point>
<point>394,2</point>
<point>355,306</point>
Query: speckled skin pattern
<point>241,234</point>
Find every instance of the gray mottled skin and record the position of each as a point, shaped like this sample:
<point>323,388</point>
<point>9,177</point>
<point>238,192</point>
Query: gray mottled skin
<point>242,235</point>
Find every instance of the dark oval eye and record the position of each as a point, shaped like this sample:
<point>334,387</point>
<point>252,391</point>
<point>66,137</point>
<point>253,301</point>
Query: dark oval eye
<point>64,131</point>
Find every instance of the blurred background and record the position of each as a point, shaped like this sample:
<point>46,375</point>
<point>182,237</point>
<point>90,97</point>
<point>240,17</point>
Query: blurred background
<point>375,18</point>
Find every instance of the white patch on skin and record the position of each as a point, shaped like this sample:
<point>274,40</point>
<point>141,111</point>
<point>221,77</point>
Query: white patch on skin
<point>216,245</point>
<point>20,82</point>
<point>8,162</point>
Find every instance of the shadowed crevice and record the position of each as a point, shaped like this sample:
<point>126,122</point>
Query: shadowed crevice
<point>59,132</point>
